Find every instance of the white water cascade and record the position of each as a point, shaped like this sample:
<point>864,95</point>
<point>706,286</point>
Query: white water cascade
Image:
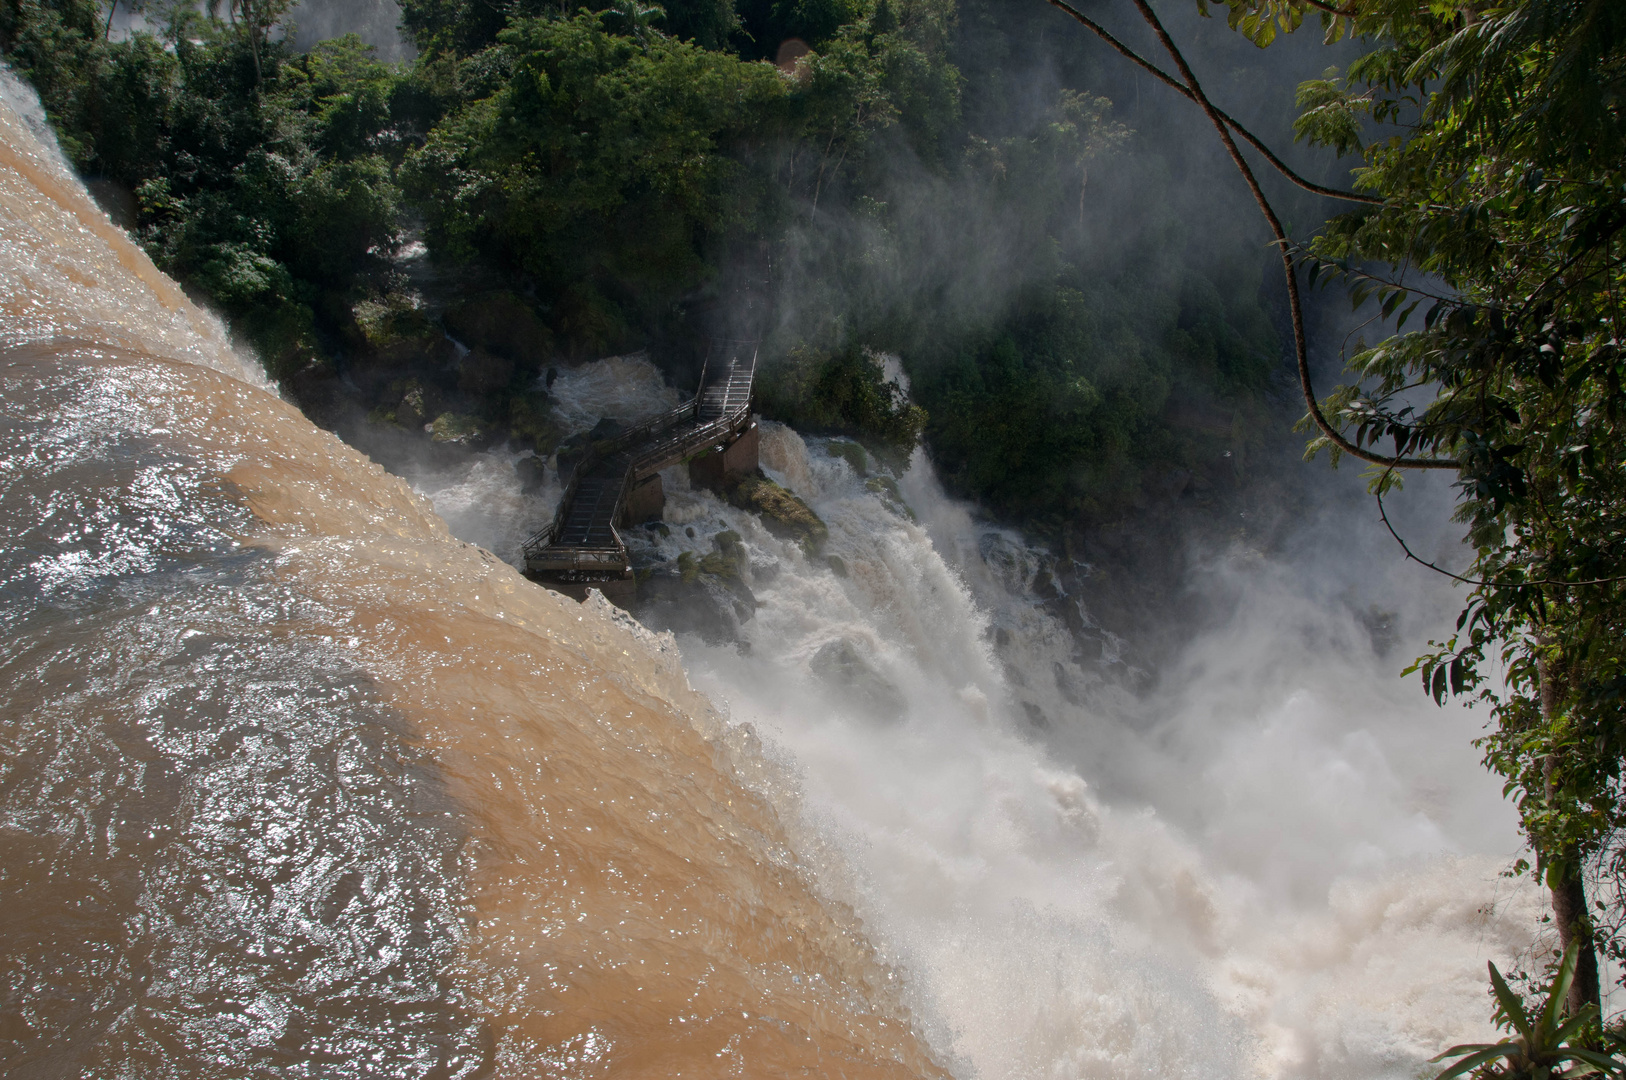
<point>294,782</point>
<point>1284,862</point>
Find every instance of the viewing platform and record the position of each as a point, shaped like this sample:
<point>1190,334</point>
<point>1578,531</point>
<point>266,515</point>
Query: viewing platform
<point>618,483</point>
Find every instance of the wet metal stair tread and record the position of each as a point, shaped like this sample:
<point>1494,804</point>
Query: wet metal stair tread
<point>583,534</point>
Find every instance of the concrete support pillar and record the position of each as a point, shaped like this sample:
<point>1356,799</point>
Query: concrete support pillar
<point>645,502</point>
<point>718,470</point>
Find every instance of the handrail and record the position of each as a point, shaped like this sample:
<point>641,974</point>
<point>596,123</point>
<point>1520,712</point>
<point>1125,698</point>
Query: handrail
<point>726,426</point>
<point>597,452</point>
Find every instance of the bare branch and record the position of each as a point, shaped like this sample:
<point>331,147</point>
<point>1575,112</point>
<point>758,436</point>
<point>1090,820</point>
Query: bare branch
<point>1185,91</point>
<point>1384,514</point>
<point>1285,246</point>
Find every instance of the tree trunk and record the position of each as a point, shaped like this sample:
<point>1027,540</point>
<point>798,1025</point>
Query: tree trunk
<point>1569,893</point>
<point>1575,925</point>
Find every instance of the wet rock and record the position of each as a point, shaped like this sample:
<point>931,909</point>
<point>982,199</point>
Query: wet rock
<point>782,513</point>
<point>570,454</point>
<point>729,558</point>
<point>887,489</point>
<point>531,423</point>
<point>414,410</point>
<point>841,666</point>
<point>480,372</point>
<point>606,429</point>
<point>837,564</point>
<point>533,472</point>
<point>851,453</point>
<point>503,325</point>
<point>713,607</point>
<point>1070,684</point>
<point>461,429</point>
<point>393,335</point>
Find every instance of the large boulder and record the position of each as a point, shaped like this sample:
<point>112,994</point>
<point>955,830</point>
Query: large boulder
<point>712,607</point>
<point>782,513</point>
<point>531,422</point>
<point>701,594</point>
<point>461,429</point>
<point>841,667</point>
<point>504,325</point>
<point>394,337</point>
<point>480,372</point>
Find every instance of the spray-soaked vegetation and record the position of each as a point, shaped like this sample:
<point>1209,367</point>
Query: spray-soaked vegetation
<point>589,182</point>
<point>1492,139</point>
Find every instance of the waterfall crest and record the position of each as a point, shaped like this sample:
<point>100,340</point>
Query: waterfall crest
<point>292,781</point>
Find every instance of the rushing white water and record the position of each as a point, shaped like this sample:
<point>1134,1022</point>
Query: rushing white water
<point>293,781</point>
<point>1283,863</point>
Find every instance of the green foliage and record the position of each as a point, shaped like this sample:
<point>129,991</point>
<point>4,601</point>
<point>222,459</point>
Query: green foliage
<point>1069,405</point>
<point>600,163</point>
<point>256,173</point>
<point>56,45</point>
<point>845,392</point>
<point>1542,1042</point>
<point>605,165</point>
<point>1493,133</point>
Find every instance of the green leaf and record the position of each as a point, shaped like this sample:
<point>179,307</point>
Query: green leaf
<point>1560,989</point>
<point>1473,1061</point>
<point>1602,1062</point>
<point>1511,1004</point>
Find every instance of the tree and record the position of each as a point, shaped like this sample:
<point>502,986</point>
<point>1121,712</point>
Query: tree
<point>1491,137</point>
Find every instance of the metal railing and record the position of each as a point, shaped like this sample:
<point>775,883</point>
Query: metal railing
<point>539,550</point>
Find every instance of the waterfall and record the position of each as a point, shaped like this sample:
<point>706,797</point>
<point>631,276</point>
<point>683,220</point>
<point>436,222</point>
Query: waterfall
<point>294,778</point>
<point>1283,862</point>
<point>294,782</point>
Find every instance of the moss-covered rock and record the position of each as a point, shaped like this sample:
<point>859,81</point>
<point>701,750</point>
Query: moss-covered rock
<point>729,559</point>
<point>851,453</point>
<point>782,513</point>
<point>887,489</point>
<point>531,423</point>
<point>392,335</point>
<point>390,321</point>
<point>461,429</point>
<point>406,402</point>
<point>414,407</point>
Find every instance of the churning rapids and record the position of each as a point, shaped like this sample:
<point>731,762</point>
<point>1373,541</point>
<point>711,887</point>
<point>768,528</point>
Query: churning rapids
<point>296,782</point>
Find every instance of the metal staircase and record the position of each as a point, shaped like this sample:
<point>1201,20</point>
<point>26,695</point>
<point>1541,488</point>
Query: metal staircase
<point>581,544</point>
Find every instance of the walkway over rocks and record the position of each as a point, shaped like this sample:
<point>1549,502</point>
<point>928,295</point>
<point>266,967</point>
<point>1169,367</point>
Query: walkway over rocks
<point>617,482</point>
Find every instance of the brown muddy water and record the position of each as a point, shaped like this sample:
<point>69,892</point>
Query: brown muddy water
<point>294,783</point>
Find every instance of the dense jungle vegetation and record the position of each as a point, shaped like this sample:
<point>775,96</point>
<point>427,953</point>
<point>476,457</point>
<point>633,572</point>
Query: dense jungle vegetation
<point>597,181</point>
